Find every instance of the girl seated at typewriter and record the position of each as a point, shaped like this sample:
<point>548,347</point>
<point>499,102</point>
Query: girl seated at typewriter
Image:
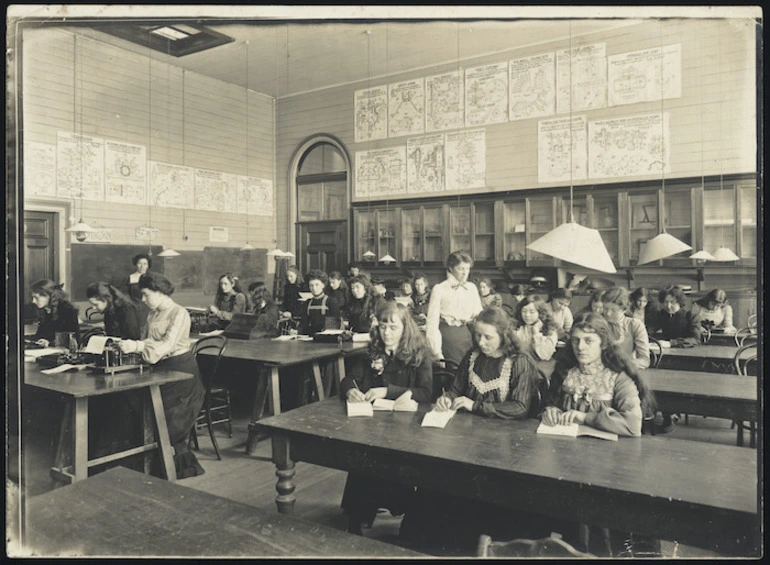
<point>266,311</point>
<point>319,306</point>
<point>230,300</point>
<point>121,315</point>
<point>55,312</point>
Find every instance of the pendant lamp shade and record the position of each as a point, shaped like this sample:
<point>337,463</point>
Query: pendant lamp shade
<point>81,229</point>
<point>247,247</point>
<point>387,259</point>
<point>576,244</point>
<point>169,253</point>
<point>275,253</point>
<point>725,254</point>
<point>369,254</point>
<point>702,256</point>
<point>661,246</point>
<point>287,254</point>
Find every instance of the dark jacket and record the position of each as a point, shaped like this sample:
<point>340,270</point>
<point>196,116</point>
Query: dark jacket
<point>124,321</point>
<point>66,320</point>
<point>682,326</point>
<point>398,377</point>
<point>315,312</point>
<point>267,321</point>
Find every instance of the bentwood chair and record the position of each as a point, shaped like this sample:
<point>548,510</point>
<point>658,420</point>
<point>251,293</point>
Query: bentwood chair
<point>745,355</point>
<point>656,353</point>
<point>216,403</point>
<point>551,547</point>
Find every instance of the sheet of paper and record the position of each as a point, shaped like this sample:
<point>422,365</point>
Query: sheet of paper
<point>305,295</point>
<point>383,404</point>
<point>356,409</point>
<point>35,353</point>
<point>437,419</point>
<point>211,333</point>
<point>570,430</point>
<point>97,343</point>
<point>362,338</point>
<point>66,367</point>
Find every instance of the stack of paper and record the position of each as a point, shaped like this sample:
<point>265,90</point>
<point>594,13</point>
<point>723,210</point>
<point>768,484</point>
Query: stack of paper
<point>362,338</point>
<point>32,354</point>
<point>437,418</point>
<point>211,333</point>
<point>359,409</point>
<point>575,430</point>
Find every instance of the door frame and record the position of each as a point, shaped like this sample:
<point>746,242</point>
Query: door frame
<point>306,144</point>
<point>63,211</point>
<point>344,253</point>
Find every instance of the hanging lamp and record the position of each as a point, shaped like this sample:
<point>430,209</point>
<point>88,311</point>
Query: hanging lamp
<point>247,246</point>
<point>570,241</point>
<point>169,253</point>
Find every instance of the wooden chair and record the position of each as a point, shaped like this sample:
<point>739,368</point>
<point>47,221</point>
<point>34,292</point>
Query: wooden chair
<point>550,547</point>
<point>656,353</point>
<point>749,333</point>
<point>447,364</point>
<point>217,399</point>
<point>745,355</point>
<point>442,380</point>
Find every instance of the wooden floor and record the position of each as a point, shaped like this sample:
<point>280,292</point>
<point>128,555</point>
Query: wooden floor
<point>251,479</point>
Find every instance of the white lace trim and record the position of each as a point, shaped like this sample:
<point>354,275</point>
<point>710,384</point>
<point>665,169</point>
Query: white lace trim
<point>501,383</point>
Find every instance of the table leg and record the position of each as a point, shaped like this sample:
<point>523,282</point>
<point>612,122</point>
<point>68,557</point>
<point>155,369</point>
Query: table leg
<point>285,498</point>
<point>319,385</point>
<point>275,391</point>
<point>166,451</point>
<point>148,431</point>
<point>62,451</point>
<point>340,368</point>
<point>80,461</point>
<point>257,410</point>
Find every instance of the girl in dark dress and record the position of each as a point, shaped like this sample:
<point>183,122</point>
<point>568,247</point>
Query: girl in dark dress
<point>142,262</point>
<point>400,360</point>
<point>230,300</point>
<point>359,309</point>
<point>55,312</point>
<point>319,307</point>
<point>121,314</point>
<point>291,307</point>
<point>266,311</point>
<point>420,298</point>
<point>338,290</point>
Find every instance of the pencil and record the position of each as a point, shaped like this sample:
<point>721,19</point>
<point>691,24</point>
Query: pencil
<point>356,385</point>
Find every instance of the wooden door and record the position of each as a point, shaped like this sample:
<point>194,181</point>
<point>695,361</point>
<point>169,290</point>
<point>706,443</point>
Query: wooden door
<point>40,252</point>
<point>322,245</point>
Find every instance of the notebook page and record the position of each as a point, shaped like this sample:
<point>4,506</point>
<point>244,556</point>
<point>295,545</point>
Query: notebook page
<point>359,409</point>
<point>437,419</point>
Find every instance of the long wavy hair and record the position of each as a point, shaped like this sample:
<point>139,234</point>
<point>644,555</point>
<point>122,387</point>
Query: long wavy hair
<point>233,281</point>
<point>542,311</point>
<point>717,296</point>
<point>337,276</point>
<point>54,292</point>
<point>295,270</point>
<point>501,321</point>
<point>413,348</point>
<point>612,358</point>
<point>114,298</point>
<point>366,301</point>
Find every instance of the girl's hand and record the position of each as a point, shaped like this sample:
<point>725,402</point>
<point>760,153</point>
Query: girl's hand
<point>443,403</point>
<point>551,416</point>
<point>42,341</point>
<point>293,331</point>
<point>213,309</point>
<point>571,416</point>
<point>128,346</point>
<point>462,403</point>
<point>286,315</point>
<point>375,393</point>
<point>355,395</point>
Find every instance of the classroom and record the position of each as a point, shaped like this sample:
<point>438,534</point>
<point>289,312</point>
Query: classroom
<point>401,282</point>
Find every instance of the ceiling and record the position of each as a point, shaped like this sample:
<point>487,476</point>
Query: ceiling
<point>286,59</point>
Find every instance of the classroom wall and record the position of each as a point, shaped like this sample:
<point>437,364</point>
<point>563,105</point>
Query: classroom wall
<point>712,128</point>
<point>137,99</point>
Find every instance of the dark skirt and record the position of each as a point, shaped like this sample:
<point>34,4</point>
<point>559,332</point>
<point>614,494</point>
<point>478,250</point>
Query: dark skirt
<point>456,341</point>
<point>364,495</point>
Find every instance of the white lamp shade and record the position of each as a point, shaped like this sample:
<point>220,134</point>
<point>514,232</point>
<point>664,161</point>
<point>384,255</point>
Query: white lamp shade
<point>247,247</point>
<point>702,256</point>
<point>661,246</point>
<point>81,226</point>
<point>369,254</point>
<point>275,253</point>
<point>387,259</point>
<point>169,253</point>
<point>576,244</point>
<point>724,254</point>
<point>287,254</point>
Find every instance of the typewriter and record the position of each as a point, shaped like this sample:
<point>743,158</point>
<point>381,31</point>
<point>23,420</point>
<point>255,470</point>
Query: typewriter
<point>113,360</point>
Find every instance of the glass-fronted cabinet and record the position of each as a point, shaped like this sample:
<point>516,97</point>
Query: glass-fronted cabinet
<point>541,218</point>
<point>515,231</point>
<point>484,231</point>
<point>605,219</point>
<point>364,232</point>
<point>411,235</point>
<point>718,217</point>
<point>386,226</point>
<point>422,235</point>
<point>748,216</point>
<point>678,218</point>
<point>460,228</point>
<point>643,221</point>
<point>433,223</point>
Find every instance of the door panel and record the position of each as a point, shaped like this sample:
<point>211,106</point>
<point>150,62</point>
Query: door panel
<point>40,260</point>
<point>323,245</point>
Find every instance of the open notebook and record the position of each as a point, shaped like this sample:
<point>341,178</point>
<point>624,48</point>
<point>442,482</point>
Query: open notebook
<point>575,430</point>
<point>437,418</point>
<point>403,403</point>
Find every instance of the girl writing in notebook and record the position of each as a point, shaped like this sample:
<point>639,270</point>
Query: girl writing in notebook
<point>399,360</point>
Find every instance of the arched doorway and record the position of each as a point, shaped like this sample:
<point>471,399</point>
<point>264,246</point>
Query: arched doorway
<point>321,178</point>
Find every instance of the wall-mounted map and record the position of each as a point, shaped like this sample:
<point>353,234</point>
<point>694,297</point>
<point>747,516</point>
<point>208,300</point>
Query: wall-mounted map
<point>486,94</point>
<point>588,69</point>
<point>466,160</point>
<point>444,96</point>
<point>629,146</point>
<point>39,169</point>
<point>215,191</point>
<point>532,87</point>
<point>553,149</point>
<point>172,186</point>
<point>637,77</point>
<point>406,108</point>
<point>255,196</point>
<point>425,164</point>
<point>380,171</point>
<point>125,170</point>
<point>79,166</point>
<point>371,109</point>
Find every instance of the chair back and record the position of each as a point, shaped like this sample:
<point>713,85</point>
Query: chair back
<point>550,547</point>
<point>743,357</point>
<point>447,364</point>
<point>656,353</point>
<point>214,343</point>
<point>509,309</point>
<point>442,380</point>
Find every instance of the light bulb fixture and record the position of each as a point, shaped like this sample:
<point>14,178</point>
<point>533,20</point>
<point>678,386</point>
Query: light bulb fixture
<point>169,253</point>
<point>369,255</point>
<point>275,253</point>
<point>287,255</point>
<point>247,247</point>
<point>725,255</point>
<point>702,256</point>
<point>81,230</point>
<point>387,259</point>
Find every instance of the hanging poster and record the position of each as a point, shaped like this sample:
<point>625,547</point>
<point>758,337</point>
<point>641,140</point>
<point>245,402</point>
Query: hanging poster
<point>125,171</point>
<point>380,171</point>
<point>218,234</point>
<point>215,191</point>
<point>589,78</point>
<point>466,160</point>
<point>371,109</point>
<point>406,108</point>
<point>486,94</point>
<point>425,164</point>
<point>553,149</point>
<point>79,166</point>
<point>532,87</point>
<point>39,169</point>
<point>444,95</point>
<point>629,146</point>
<point>171,186</point>
<point>255,196</point>
<point>636,76</point>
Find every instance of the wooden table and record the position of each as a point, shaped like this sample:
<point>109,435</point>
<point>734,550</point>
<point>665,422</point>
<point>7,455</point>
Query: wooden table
<point>82,385</point>
<point>276,355</point>
<point>710,358</point>
<point>124,513</point>
<point>693,492</point>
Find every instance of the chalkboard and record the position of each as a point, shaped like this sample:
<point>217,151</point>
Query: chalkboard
<point>249,266</point>
<point>186,271</point>
<point>93,262</point>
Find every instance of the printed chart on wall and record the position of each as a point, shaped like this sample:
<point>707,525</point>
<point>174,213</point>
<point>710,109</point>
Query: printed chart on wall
<point>255,196</point>
<point>444,96</point>
<point>553,149</point>
<point>39,169</point>
<point>171,186</point>
<point>125,172</point>
<point>532,87</point>
<point>406,108</point>
<point>486,94</point>
<point>380,171</point>
<point>589,78</point>
<point>425,164</point>
<point>629,146</point>
<point>215,191</point>
<point>371,109</point>
<point>636,76</point>
<point>466,159</point>
<point>79,166</point>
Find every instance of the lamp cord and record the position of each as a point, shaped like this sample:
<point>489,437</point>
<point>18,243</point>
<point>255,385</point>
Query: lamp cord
<point>662,134</point>
<point>571,215</point>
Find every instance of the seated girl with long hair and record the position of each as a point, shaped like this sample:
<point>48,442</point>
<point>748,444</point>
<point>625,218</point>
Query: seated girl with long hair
<point>230,300</point>
<point>536,331</point>
<point>629,334</point>
<point>122,316</point>
<point>714,312</point>
<point>55,312</point>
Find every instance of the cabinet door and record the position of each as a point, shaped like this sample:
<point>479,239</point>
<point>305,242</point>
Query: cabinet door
<point>541,218</point>
<point>411,240</point>
<point>719,217</point>
<point>748,219</point>
<point>484,232</point>
<point>433,223</point>
<point>643,221</point>
<point>605,219</point>
<point>363,233</point>
<point>515,231</point>
<point>386,233</point>
<point>460,228</point>
<point>680,222</point>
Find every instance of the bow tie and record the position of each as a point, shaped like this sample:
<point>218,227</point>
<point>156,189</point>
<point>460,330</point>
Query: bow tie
<point>462,285</point>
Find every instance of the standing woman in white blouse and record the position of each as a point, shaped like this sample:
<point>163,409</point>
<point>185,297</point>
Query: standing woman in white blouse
<point>166,344</point>
<point>454,303</point>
